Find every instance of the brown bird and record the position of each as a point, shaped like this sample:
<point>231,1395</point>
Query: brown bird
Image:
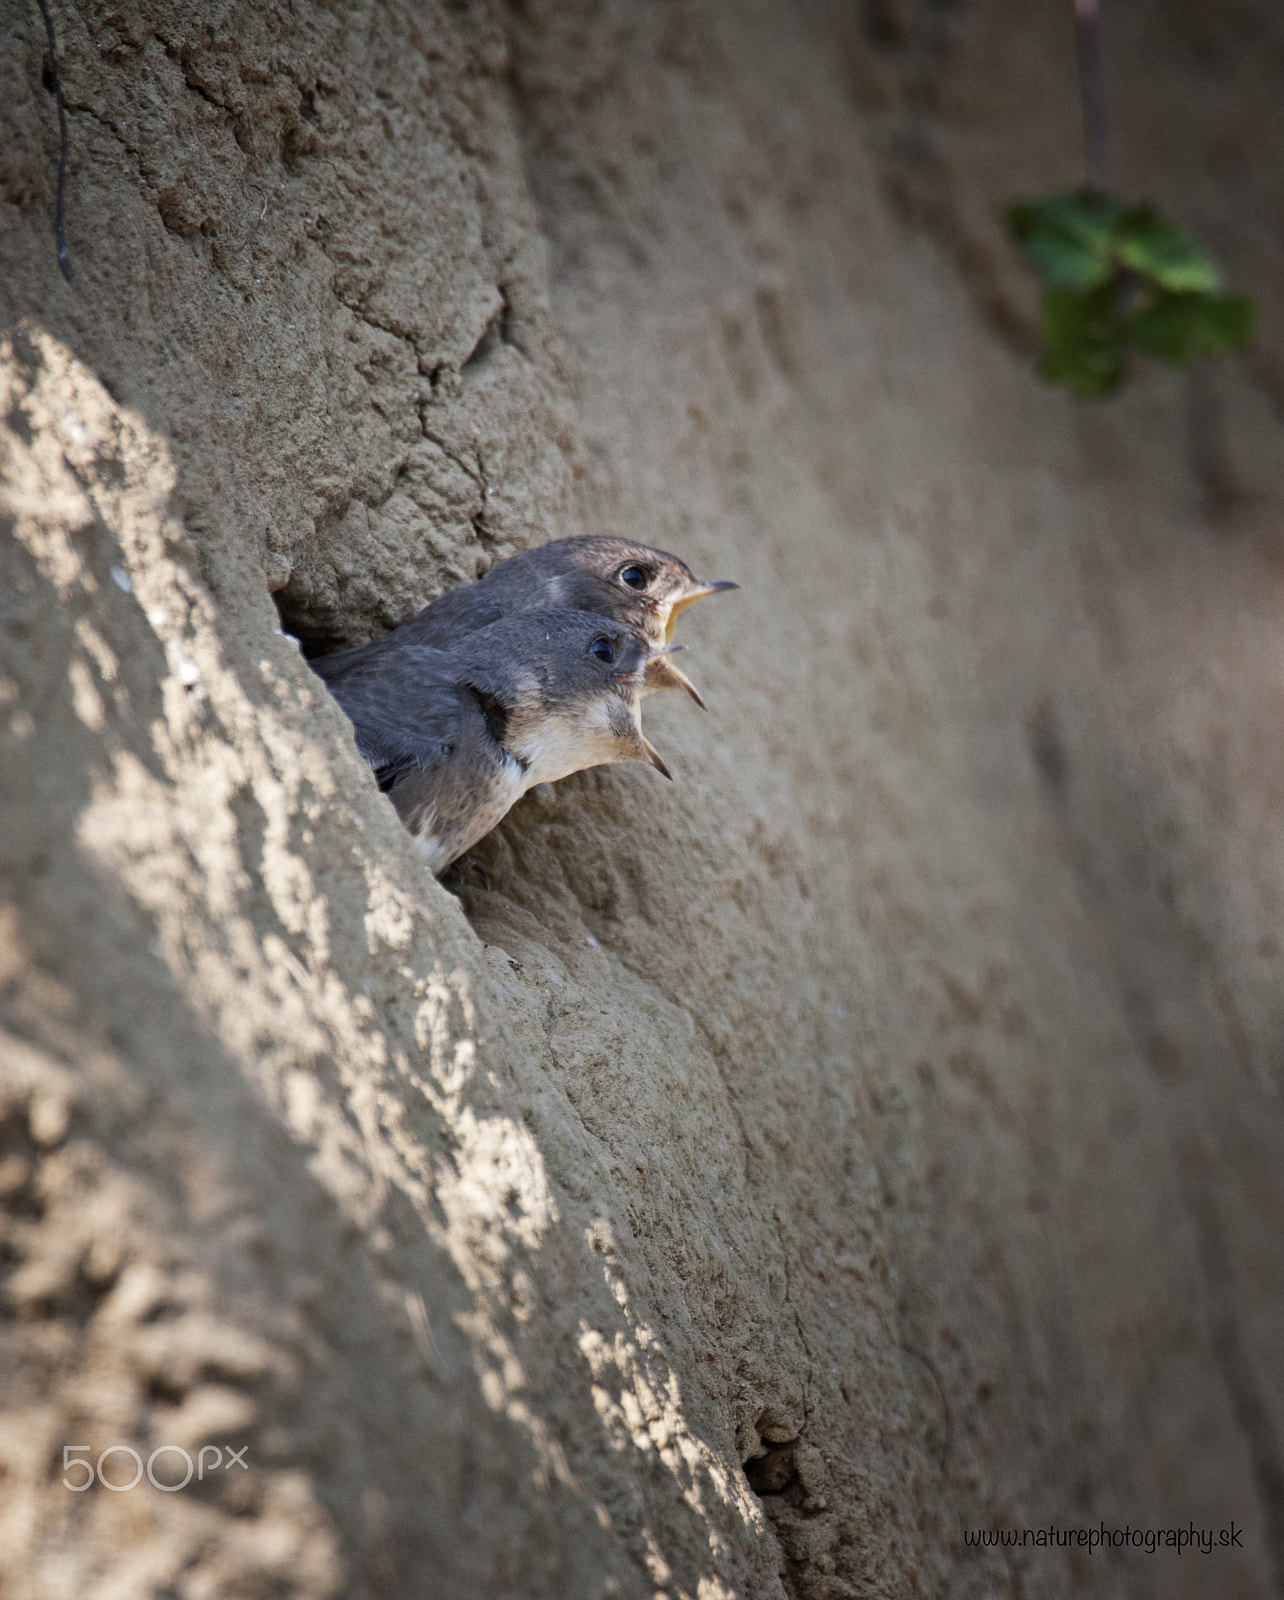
<point>630,583</point>
<point>456,737</point>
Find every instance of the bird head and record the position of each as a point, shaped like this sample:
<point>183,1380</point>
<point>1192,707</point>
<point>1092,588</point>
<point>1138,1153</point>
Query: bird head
<point>573,685</point>
<point>633,583</point>
<point>660,582</point>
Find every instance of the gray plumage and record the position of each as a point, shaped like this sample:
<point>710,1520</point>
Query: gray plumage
<point>586,573</point>
<point>456,737</point>
<point>630,583</point>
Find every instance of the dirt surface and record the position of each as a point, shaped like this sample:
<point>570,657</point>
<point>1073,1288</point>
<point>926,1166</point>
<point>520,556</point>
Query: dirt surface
<point>741,1187</point>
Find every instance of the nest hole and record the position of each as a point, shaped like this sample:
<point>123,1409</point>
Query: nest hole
<point>774,1473</point>
<point>317,635</point>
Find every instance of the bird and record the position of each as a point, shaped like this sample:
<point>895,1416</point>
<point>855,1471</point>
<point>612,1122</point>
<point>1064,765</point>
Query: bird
<point>456,737</point>
<point>630,583</point>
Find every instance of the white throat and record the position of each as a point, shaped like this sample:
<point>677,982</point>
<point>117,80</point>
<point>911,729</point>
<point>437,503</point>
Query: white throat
<point>566,743</point>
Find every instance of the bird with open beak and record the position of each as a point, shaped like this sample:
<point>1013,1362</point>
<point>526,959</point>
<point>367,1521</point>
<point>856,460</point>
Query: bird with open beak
<point>456,737</point>
<point>631,583</point>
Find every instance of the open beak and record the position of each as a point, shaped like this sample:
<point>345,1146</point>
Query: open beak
<point>690,598</point>
<point>653,756</point>
<point>662,674</point>
<point>642,748</point>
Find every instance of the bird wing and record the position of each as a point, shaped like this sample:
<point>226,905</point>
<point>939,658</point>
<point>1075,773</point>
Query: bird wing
<point>508,590</point>
<point>406,704</point>
<point>334,667</point>
<point>439,626</point>
<point>453,616</point>
<point>435,742</point>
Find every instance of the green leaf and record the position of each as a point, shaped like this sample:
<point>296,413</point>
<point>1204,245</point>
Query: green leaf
<point>1067,237</point>
<point>1097,258</point>
<point>1155,248</point>
<point>1062,263</point>
<point>1084,340</point>
<point>1089,218</point>
<point>1179,327</point>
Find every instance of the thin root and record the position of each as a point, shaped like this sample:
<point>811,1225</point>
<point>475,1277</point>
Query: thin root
<point>64,255</point>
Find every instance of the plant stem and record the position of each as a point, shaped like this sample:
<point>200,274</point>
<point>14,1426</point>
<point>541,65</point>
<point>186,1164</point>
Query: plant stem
<point>1092,90</point>
<point>64,255</point>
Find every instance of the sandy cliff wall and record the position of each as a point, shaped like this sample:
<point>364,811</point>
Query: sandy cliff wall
<point>761,1179</point>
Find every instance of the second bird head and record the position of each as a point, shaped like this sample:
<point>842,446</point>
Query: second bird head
<point>572,683</point>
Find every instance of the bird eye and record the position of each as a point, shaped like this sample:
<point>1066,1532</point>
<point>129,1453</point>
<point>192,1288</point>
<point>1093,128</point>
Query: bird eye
<point>635,577</point>
<point>603,649</point>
